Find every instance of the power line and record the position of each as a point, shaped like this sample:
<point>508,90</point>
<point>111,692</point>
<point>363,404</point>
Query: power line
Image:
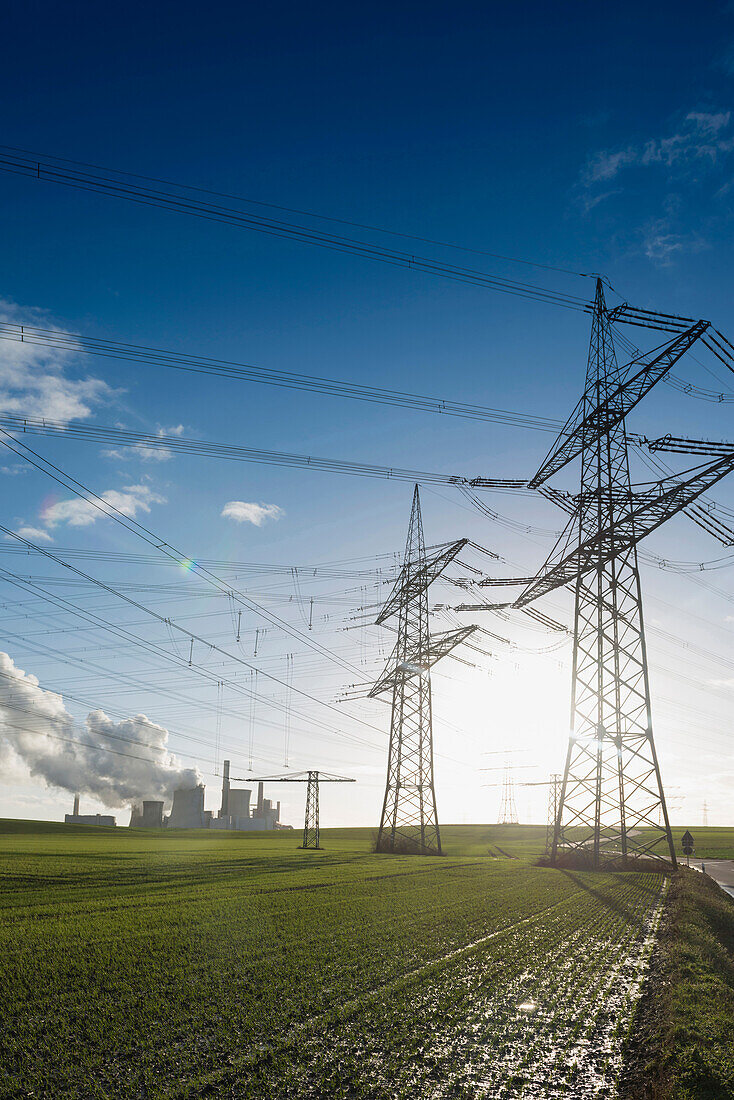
<point>76,343</point>
<point>103,434</point>
<point>130,524</point>
<point>305,213</point>
<point>120,185</point>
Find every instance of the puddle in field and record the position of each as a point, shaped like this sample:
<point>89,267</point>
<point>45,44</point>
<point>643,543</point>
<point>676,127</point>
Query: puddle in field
<point>574,1047</point>
<point>480,1031</point>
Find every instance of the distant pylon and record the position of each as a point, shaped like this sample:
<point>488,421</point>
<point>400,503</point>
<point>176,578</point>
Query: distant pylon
<point>508,808</point>
<point>554,797</point>
<point>311,823</point>
<point>705,814</point>
<point>611,790</point>
<point>409,820</point>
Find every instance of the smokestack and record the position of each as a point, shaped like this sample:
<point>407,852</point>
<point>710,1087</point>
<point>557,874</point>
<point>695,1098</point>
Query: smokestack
<point>259,800</point>
<point>277,816</point>
<point>76,805</point>
<point>224,812</point>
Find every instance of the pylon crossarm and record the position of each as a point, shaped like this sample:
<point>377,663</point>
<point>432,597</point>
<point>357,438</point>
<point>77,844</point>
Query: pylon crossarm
<point>440,645</point>
<point>412,580</point>
<point>648,318</point>
<point>583,428</point>
<point>634,523</point>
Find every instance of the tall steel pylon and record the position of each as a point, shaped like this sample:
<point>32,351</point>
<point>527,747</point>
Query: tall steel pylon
<point>508,808</point>
<point>611,783</point>
<point>311,836</point>
<point>311,822</point>
<point>409,820</point>
<point>554,798</point>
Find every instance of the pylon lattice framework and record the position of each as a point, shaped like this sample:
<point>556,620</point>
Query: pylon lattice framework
<point>311,835</point>
<point>409,820</point>
<point>311,822</point>
<point>554,797</point>
<point>611,784</point>
<point>508,807</point>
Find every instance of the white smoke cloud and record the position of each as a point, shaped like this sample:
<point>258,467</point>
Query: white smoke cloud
<point>114,762</point>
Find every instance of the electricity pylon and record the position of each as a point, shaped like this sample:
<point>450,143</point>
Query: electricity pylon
<point>409,820</point>
<point>311,835</point>
<point>612,789</point>
<point>554,798</point>
<point>311,822</point>
<point>508,807</point>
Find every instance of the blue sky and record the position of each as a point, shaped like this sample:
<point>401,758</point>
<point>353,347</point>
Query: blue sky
<point>545,132</point>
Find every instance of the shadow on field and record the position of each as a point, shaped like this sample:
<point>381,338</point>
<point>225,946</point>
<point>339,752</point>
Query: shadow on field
<point>615,904</point>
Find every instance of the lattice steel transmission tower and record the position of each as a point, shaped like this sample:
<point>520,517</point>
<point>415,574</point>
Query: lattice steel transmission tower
<point>611,786</point>
<point>409,821</point>
<point>554,800</point>
<point>311,822</point>
<point>311,836</point>
<point>508,807</point>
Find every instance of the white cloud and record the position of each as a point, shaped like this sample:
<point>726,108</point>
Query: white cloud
<point>700,138</point>
<point>147,452</point>
<point>77,512</point>
<point>660,244</point>
<point>33,534</point>
<point>152,454</point>
<point>605,165</point>
<point>242,511</point>
<point>34,380</point>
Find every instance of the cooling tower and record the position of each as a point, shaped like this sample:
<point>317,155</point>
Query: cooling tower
<point>239,803</point>
<point>152,815</point>
<point>136,816</point>
<point>187,811</point>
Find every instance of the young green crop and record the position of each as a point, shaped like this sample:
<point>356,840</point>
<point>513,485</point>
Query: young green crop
<point>150,964</point>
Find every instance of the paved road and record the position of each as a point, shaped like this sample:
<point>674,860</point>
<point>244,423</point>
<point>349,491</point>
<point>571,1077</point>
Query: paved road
<point>720,870</point>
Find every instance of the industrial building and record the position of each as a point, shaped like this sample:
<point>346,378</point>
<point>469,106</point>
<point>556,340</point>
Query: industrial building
<point>76,818</point>
<point>187,811</point>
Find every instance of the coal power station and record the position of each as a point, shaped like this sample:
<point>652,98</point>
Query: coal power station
<point>236,811</point>
<point>188,812</point>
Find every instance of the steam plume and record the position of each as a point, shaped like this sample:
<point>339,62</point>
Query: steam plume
<point>36,728</point>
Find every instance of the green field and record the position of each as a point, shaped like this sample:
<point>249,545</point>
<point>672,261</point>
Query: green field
<point>142,964</point>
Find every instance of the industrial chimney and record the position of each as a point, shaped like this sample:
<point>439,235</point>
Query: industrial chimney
<point>260,788</point>
<point>224,812</point>
<point>76,805</point>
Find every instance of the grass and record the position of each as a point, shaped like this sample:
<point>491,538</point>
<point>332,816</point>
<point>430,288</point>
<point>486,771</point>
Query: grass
<point>682,1046</point>
<point>148,964</point>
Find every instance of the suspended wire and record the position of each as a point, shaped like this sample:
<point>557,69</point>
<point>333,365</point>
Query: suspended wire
<point>253,696</point>
<point>243,372</point>
<point>305,213</point>
<point>218,730</point>
<point>116,185</point>
<point>197,666</point>
<point>138,529</point>
<point>288,706</point>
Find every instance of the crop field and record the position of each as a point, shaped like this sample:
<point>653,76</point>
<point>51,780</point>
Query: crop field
<point>138,964</point>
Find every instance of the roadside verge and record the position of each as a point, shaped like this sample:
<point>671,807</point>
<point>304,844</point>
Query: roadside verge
<point>681,1046</point>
